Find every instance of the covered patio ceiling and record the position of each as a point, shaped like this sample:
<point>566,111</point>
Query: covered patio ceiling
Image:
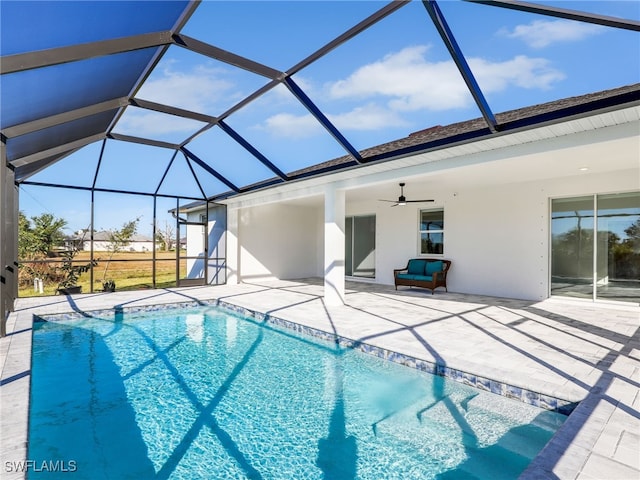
<point>85,75</point>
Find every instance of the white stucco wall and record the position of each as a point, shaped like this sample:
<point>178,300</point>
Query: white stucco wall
<point>279,241</point>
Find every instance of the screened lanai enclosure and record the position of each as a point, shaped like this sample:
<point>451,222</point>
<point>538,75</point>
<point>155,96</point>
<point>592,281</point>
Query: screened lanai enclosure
<point>146,109</point>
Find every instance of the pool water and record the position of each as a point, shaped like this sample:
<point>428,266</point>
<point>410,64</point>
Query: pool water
<point>205,393</point>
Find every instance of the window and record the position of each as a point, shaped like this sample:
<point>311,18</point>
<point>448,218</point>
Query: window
<point>432,232</point>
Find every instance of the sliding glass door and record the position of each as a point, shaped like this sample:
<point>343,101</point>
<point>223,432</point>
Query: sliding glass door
<point>595,247</point>
<point>360,246</point>
<point>572,221</point>
<point>618,247</point>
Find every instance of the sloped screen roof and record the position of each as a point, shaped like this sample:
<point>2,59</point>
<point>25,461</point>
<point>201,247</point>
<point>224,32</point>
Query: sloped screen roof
<point>225,97</point>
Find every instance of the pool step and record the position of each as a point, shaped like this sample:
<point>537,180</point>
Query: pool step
<point>467,417</point>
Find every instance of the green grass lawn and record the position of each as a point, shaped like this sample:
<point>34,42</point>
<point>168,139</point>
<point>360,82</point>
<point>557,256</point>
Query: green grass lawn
<point>129,270</point>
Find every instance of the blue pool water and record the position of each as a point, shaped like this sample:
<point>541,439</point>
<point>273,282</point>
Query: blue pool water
<point>205,393</point>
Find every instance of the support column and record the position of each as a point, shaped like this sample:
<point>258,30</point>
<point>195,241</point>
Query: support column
<point>334,255</point>
<point>3,247</point>
<point>12,226</point>
<point>8,240</point>
<point>233,246</point>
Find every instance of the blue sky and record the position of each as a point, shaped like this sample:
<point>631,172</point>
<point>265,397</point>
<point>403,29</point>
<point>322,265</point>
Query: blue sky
<point>395,78</point>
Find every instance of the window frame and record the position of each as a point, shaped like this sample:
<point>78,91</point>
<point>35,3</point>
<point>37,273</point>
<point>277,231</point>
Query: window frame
<point>421,231</point>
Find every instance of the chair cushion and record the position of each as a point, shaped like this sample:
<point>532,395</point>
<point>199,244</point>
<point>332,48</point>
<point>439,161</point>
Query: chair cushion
<point>433,267</point>
<point>415,267</point>
<point>409,276</point>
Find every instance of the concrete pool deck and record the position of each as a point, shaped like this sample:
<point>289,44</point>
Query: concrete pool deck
<point>576,351</point>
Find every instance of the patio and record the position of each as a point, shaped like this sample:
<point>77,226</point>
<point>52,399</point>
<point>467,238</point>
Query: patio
<point>563,349</point>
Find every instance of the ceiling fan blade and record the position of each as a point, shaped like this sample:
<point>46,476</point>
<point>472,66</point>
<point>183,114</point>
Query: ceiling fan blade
<point>402,200</point>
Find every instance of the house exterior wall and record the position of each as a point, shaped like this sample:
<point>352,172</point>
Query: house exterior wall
<point>101,246</point>
<point>499,238</point>
<point>280,241</point>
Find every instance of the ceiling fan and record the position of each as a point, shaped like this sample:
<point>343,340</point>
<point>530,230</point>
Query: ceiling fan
<point>402,200</point>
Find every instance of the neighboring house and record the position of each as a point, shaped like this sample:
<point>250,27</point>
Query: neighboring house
<point>515,212</point>
<point>101,242</point>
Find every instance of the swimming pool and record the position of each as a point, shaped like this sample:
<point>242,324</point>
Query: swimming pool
<point>206,393</point>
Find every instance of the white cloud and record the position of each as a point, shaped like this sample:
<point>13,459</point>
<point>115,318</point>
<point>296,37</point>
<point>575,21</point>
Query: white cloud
<point>291,126</point>
<point>144,123</point>
<point>521,71</point>
<point>368,117</point>
<point>542,33</point>
<point>406,81</point>
<point>409,82</point>
<point>199,90</point>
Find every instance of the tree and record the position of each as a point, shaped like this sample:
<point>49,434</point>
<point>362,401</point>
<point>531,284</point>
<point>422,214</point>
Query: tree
<point>633,232</point>
<point>36,239</point>
<point>24,236</point>
<point>70,272</point>
<point>118,239</point>
<point>166,235</point>
<point>39,238</point>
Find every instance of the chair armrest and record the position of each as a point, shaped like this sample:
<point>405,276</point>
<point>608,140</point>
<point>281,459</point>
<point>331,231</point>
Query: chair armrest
<point>442,274</point>
<point>398,270</point>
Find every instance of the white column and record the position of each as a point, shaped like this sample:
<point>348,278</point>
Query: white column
<point>233,246</point>
<point>334,215</point>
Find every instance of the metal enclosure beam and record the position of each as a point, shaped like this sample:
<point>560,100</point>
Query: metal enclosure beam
<point>4,287</point>
<point>143,141</point>
<point>26,171</point>
<point>195,177</point>
<point>56,56</point>
<point>452,45</point>
<point>53,120</point>
<point>252,150</point>
<point>213,172</point>
<point>58,150</point>
<point>226,57</point>
<point>178,112</point>
<point>349,34</point>
<point>324,121</point>
<point>563,13</point>
<point>111,190</point>
<point>8,240</point>
<point>166,171</point>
